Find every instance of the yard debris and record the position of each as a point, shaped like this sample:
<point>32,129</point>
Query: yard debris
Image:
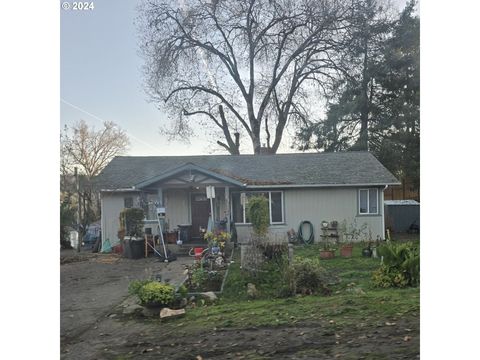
<point>167,312</point>
<point>108,259</point>
<point>209,296</point>
<point>407,338</point>
<point>390,323</point>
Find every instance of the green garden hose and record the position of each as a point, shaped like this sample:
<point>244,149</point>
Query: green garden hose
<point>300,232</point>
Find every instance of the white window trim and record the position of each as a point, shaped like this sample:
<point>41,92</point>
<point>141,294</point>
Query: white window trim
<point>269,207</point>
<point>368,202</point>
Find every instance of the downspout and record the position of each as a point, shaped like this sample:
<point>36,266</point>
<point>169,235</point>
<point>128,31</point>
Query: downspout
<point>383,210</point>
<point>102,222</point>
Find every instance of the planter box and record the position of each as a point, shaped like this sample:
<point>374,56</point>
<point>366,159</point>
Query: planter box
<point>327,254</point>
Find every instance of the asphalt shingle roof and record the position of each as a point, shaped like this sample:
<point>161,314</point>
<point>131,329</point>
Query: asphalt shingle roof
<point>349,168</point>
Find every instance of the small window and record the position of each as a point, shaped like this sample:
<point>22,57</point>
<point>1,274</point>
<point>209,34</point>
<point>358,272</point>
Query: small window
<point>276,207</point>
<point>368,201</point>
<point>128,202</point>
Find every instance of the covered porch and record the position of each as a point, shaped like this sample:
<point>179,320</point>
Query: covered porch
<point>188,202</point>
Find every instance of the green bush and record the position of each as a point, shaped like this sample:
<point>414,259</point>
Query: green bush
<point>154,292</point>
<point>67,219</point>
<point>401,266</point>
<point>385,277</point>
<point>135,285</point>
<point>258,213</point>
<point>307,276</point>
<point>182,291</point>
<point>131,220</point>
<point>198,277</point>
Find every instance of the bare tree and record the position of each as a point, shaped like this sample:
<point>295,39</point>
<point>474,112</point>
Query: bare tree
<point>247,67</point>
<point>89,150</point>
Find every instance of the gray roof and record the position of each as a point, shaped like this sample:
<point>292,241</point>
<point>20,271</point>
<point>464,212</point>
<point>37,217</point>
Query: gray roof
<point>322,169</point>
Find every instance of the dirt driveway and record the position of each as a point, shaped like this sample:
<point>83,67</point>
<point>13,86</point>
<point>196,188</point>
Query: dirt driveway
<point>93,284</point>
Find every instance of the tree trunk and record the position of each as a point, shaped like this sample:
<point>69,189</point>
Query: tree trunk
<point>363,139</point>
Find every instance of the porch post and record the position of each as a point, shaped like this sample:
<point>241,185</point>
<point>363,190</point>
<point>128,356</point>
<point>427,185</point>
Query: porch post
<point>227,206</point>
<point>160,197</point>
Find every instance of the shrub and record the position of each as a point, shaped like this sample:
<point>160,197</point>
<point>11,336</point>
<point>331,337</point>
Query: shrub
<point>67,218</point>
<point>152,292</point>
<point>199,278</point>
<point>131,220</point>
<point>182,291</point>
<point>385,277</point>
<point>401,266</point>
<point>155,292</point>
<point>307,277</point>
<point>135,286</point>
<point>258,214</point>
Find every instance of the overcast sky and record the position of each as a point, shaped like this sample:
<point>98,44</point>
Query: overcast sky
<point>101,78</point>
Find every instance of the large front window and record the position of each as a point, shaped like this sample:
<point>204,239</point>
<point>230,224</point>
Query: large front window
<point>368,201</point>
<point>240,201</point>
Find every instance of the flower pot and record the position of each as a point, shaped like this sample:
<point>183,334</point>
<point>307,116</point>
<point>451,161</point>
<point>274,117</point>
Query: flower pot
<point>346,251</point>
<point>367,252</point>
<point>327,254</point>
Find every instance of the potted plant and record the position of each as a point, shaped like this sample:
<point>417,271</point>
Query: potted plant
<point>346,249</point>
<point>367,247</point>
<point>328,252</point>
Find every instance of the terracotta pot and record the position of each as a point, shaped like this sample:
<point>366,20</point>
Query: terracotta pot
<point>346,251</point>
<point>327,254</point>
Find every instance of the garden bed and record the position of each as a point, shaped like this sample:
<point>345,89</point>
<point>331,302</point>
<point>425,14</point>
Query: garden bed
<point>215,284</point>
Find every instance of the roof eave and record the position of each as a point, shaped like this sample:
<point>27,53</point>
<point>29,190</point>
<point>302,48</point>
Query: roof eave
<point>186,167</point>
<point>279,186</point>
<point>119,190</point>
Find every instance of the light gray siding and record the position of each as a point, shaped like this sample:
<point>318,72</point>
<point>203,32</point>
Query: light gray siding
<point>317,205</point>
<point>177,204</point>
<point>112,205</point>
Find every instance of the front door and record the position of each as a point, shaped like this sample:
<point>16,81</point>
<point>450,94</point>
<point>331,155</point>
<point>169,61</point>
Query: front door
<point>200,213</point>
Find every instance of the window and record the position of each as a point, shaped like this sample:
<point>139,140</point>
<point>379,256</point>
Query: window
<point>276,208</point>
<point>275,201</point>
<point>128,202</point>
<point>368,201</point>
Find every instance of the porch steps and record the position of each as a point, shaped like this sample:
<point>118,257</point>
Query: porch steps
<point>183,250</point>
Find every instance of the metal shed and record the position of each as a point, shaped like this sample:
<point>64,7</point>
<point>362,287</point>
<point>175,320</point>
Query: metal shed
<point>401,214</point>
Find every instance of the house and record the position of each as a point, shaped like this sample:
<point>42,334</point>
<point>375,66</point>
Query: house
<point>304,186</point>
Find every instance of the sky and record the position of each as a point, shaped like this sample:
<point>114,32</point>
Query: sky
<point>101,79</point>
